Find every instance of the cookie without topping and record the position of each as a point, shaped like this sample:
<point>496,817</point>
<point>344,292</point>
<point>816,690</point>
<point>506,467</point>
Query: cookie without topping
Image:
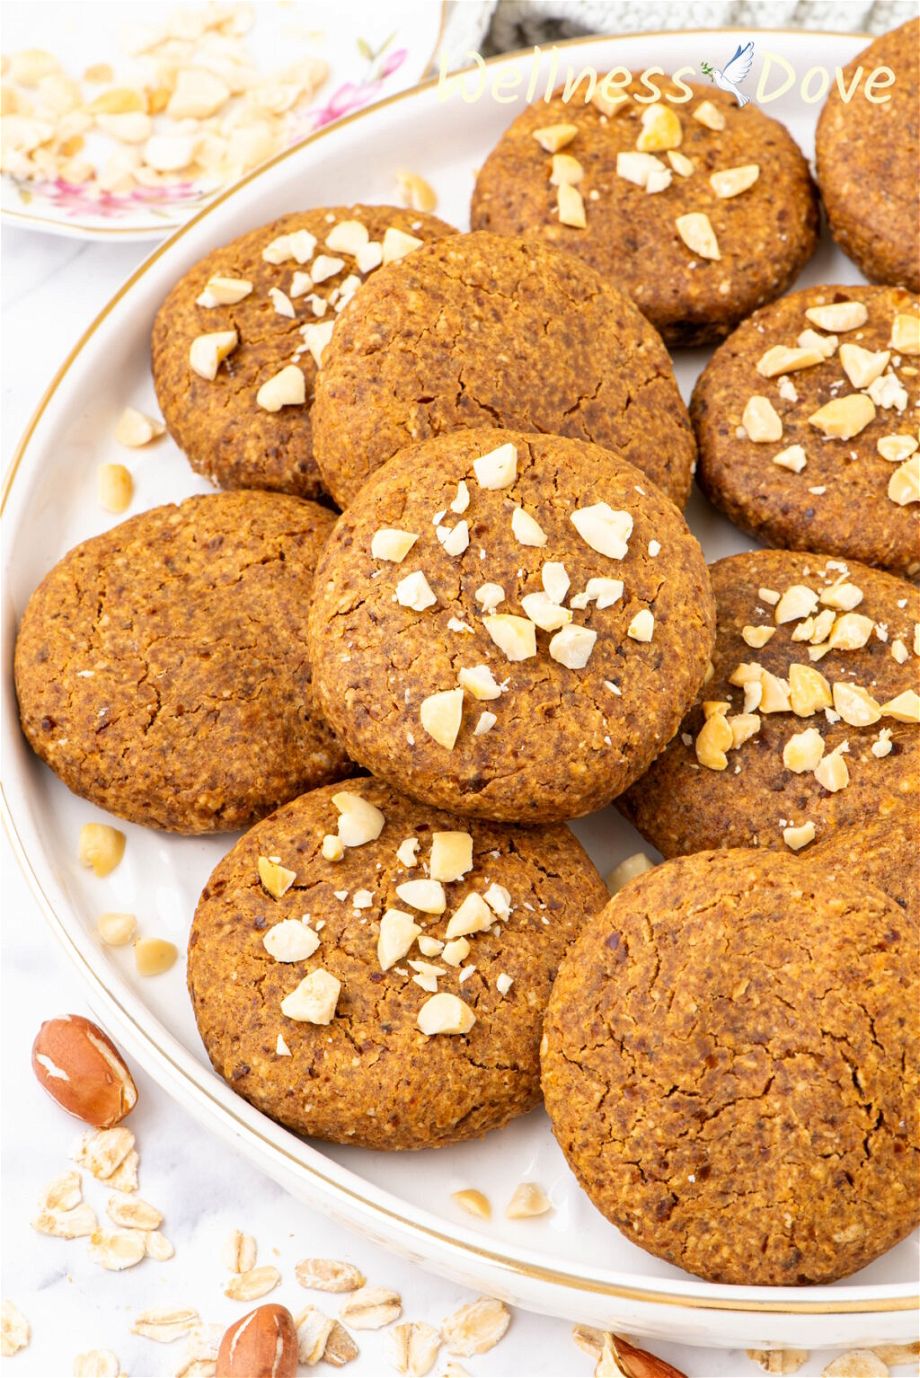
<point>735,1038</point>
<point>510,626</point>
<point>492,331</point>
<point>867,154</point>
<point>161,667</point>
<point>806,419</point>
<point>370,1076</point>
<point>290,300</point>
<point>851,707</point>
<point>699,224</point>
<point>882,853</point>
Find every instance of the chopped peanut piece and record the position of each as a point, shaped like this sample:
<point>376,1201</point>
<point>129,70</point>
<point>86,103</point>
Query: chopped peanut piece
<point>572,646</point>
<point>642,626</point>
<point>415,192</point>
<point>101,847</point>
<point>809,691</point>
<point>498,468</point>
<point>756,637</point>
<point>850,631</point>
<point>397,244</point>
<point>275,878</point>
<point>896,448</point>
<point>713,741</point>
<point>774,697</point>
<point>451,855</point>
<point>803,751</point>
<point>863,366</point>
<point>553,137</point>
<point>681,164</point>
<point>441,715</point>
<point>792,458</point>
<point>135,428</point>
<point>842,597</point>
<point>221,291</point>
<point>473,1202</point>
<point>398,931</point>
<point>544,613</point>
<point>904,484</point>
<point>472,916</point>
<point>479,681</point>
<point>640,168</point>
<point>697,233</point>
<point>566,171</point>
<point>528,1200</point>
<point>360,821</point>
<point>844,417</point>
<point>734,180</point>
<point>761,420</point>
<point>661,129</point>
<point>515,636</point>
<point>710,115</point>
<point>207,352</point>
<point>904,707</point>
<point>831,771</point>
<point>445,1014</point>
<point>905,334</point>
<point>839,316</point>
<point>415,592</point>
<point>116,487</point>
<point>743,726</point>
<point>605,530</point>
<point>782,359</point>
<point>314,1000</point>
<point>153,956</point>
<point>392,544</point>
<point>571,207</point>
<point>797,601</point>
<point>116,930</point>
<point>798,837</point>
<point>287,388</point>
<point>855,705</point>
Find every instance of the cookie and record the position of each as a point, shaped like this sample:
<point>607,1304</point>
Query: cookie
<point>491,331</point>
<point>700,210</point>
<point>809,721</point>
<point>882,853</point>
<point>161,667</point>
<point>265,303</point>
<point>393,997</point>
<point>867,154</point>
<point>734,1038</point>
<point>509,626</point>
<point>804,422</point>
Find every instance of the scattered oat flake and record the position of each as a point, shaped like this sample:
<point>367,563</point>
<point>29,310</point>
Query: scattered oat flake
<point>314,1328</point>
<point>778,1360</point>
<point>370,1308</point>
<point>239,1253</point>
<point>165,1324</point>
<point>96,1363</point>
<point>70,1224</point>
<point>476,1327</point>
<point>254,1283</point>
<point>414,1347</point>
<point>340,1347</point>
<point>118,1249</point>
<point>856,1363</point>
<point>15,1330</point>
<point>329,1275</point>
<point>133,1214</point>
<point>63,1193</point>
<point>102,1151</point>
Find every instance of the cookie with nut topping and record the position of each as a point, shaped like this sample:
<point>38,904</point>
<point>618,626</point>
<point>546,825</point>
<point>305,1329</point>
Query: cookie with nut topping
<point>734,1037</point>
<point>806,419</point>
<point>810,720</point>
<point>238,342</point>
<point>700,210</point>
<point>484,330</point>
<point>372,971</point>
<point>510,626</point>
<point>161,669</point>
<point>867,153</point>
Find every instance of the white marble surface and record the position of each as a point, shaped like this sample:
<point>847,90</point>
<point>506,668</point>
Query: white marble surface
<point>51,290</point>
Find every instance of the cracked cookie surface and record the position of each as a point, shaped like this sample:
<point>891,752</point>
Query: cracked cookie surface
<point>544,734</point>
<point>764,234</point>
<point>867,154</point>
<point>161,667</point>
<point>370,1076</point>
<point>489,330</point>
<point>748,795</point>
<point>730,1066</point>
<point>219,424</point>
<point>793,484</point>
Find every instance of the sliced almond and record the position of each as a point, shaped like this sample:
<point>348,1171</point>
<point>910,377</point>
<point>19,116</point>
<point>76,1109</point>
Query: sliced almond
<point>695,229</point>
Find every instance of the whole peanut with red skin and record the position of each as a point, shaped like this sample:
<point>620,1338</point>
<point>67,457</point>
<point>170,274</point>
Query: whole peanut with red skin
<point>80,1067</point>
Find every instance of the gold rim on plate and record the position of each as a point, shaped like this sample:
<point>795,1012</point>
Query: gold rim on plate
<point>382,1213</point>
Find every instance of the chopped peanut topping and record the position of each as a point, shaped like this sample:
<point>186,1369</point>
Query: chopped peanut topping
<point>697,233</point>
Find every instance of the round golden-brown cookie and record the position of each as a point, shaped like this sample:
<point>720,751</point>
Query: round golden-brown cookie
<point>161,667</point>
<point>536,645</point>
<point>803,418</point>
<point>486,330</point>
<point>641,169</point>
<point>849,686</point>
<point>370,1075</point>
<point>734,1039</point>
<point>882,852</point>
<point>284,321</point>
<point>867,154</point>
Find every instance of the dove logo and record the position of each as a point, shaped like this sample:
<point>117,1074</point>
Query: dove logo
<point>735,71</point>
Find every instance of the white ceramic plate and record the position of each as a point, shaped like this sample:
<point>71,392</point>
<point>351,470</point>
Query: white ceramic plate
<point>371,50</point>
<point>571,1263</point>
